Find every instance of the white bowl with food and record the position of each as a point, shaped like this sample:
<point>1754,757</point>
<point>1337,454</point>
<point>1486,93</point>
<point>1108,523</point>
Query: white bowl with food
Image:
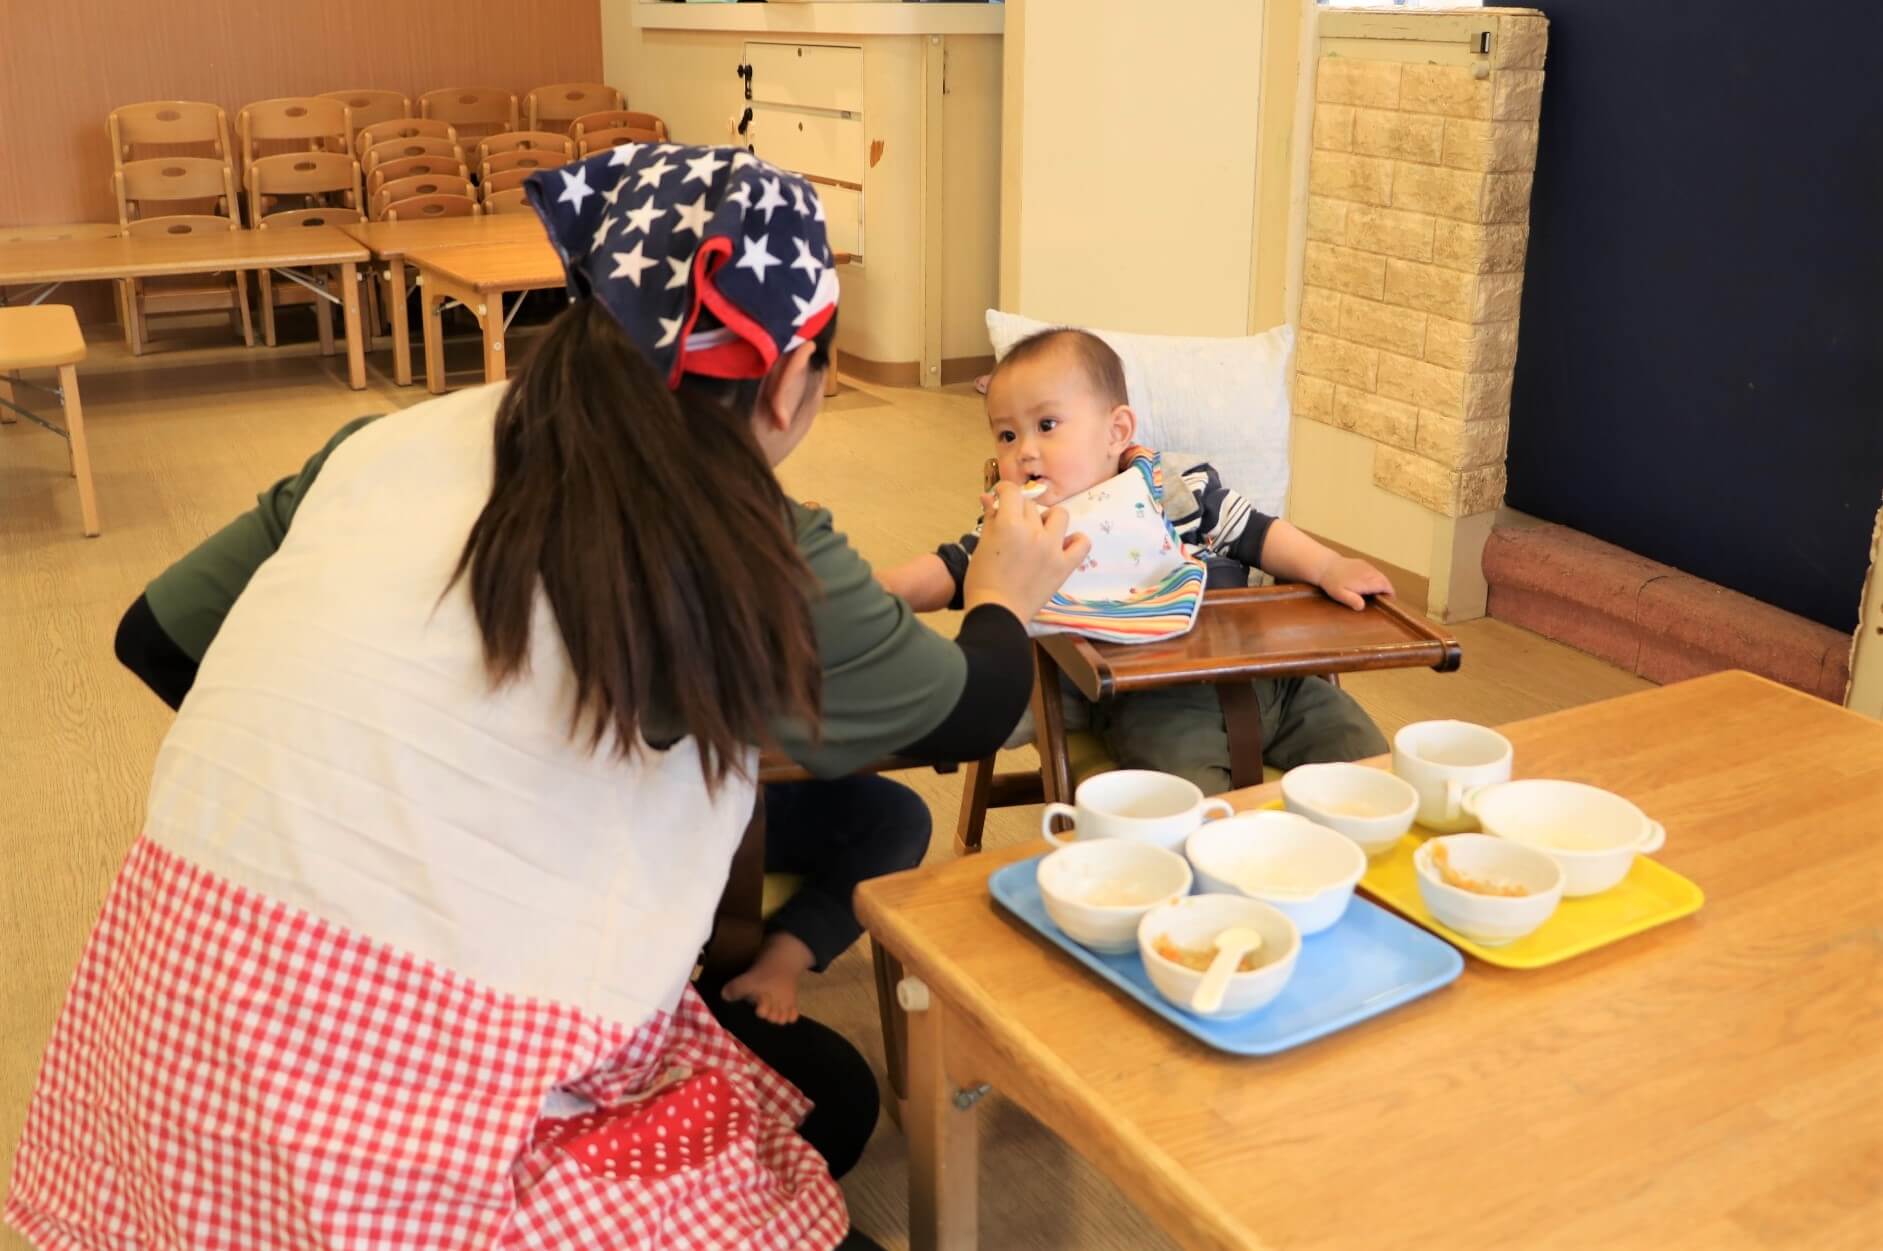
<point>1177,942</point>
<point>1369,806</point>
<point>1097,891</point>
<point>1593,834</point>
<point>1488,889</point>
<point>1306,870</point>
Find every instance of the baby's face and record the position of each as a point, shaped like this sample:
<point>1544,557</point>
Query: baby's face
<point>1050,424</point>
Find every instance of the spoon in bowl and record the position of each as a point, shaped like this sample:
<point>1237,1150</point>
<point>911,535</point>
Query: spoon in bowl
<point>1231,946</point>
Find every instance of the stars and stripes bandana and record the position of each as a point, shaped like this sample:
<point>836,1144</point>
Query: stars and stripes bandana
<point>713,261</point>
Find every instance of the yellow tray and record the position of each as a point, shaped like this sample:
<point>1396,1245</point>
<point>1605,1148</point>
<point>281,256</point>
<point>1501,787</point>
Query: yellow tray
<point>1650,895</point>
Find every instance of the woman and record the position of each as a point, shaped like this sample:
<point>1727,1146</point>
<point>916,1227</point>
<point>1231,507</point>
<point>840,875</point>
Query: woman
<point>401,957</point>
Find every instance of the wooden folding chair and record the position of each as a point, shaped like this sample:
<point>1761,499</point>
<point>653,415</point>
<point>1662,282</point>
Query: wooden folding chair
<point>310,177</point>
<point>435,207</point>
<point>474,111</point>
<point>541,141</point>
<point>367,107</point>
<point>420,185</point>
<point>555,106</point>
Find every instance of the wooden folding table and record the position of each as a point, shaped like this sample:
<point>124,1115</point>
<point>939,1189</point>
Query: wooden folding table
<point>392,242</point>
<point>286,251</point>
<point>478,276</point>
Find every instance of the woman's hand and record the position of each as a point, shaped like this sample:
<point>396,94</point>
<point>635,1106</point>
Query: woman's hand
<point>1023,555</point>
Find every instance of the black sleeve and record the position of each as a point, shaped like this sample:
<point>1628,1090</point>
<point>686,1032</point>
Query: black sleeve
<point>1000,682</point>
<point>955,556</point>
<point>144,649</point>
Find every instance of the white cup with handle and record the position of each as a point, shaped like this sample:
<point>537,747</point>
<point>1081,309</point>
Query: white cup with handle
<point>1444,759</point>
<point>1135,804</point>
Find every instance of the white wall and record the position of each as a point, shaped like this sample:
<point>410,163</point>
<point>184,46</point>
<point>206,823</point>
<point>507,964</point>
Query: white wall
<point>1134,183</point>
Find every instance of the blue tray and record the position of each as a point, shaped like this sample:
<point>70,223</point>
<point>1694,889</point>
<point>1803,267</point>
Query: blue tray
<point>1368,964</point>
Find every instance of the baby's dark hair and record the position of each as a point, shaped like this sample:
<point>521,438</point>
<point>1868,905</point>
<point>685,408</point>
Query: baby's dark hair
<point>1094,356</point>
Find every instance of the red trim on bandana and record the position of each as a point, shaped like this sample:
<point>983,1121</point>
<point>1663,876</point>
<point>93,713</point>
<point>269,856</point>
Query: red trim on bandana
<point>732,359</point>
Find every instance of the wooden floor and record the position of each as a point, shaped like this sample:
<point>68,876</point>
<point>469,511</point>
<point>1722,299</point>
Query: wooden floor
<point>183,441</point>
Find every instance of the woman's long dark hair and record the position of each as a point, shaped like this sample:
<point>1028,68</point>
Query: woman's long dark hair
<point>661,539</point>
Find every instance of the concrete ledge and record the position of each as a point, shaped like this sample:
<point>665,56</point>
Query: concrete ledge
<point>1650,618</point>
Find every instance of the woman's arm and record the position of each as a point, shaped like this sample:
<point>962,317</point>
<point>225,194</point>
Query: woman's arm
<point>924,582</point>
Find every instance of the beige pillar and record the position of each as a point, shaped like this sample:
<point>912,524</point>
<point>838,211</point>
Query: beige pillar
<point>1424,141</point>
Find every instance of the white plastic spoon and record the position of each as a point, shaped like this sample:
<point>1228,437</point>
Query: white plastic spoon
<point>1231,946</point>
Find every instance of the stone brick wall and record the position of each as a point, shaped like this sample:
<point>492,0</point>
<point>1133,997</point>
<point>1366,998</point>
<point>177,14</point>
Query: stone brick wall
<point>1418,218</point>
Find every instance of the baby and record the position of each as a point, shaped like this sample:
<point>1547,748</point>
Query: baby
<point>1061,418</point>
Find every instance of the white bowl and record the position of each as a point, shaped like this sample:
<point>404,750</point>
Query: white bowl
<point>1490,920</point>
<point>1097,891</point>
<point>1271,856</point>
<point>1593,834</point>
<point>1194,923</point>
<point>1370,806</point>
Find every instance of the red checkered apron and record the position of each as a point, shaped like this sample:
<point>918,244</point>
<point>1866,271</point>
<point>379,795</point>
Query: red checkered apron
<point>229,1072</point>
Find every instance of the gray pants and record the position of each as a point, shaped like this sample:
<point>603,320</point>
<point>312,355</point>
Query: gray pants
<point>1179,729</point>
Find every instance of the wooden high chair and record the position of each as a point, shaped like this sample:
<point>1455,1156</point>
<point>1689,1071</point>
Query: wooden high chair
<point>428,186</point>
<point>594,141</point>
<point>171,124</point>
<point>505,201</point>
<point>372,135</point>
<point>651,128</point>
<point>328,184</point>
<point>435,207</point>
<point>412,167</point>
<point>521,160</point>
<point>368,108</point>
<point>405,149</point>
<point>555,106</point>
<point>155,197</point>
<point>541,141</point>
<point>285,124</point>
<point>473,111</point>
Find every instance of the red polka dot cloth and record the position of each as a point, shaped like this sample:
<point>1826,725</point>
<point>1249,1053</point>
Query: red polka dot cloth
<point>231,1073</point>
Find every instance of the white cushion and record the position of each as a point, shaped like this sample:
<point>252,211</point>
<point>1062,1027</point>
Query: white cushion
<point>1223,399</point>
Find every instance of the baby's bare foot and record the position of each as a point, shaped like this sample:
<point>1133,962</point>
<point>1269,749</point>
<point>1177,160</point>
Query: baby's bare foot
<point>771,984</point>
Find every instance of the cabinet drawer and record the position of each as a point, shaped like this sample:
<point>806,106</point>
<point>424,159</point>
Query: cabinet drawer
<point>806,76</point>
<point>826,144</point>
<point>843,218</point>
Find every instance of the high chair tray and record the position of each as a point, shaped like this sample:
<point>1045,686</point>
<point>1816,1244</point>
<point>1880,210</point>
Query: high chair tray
<point>1370,963</point>
<point>1652,894</point>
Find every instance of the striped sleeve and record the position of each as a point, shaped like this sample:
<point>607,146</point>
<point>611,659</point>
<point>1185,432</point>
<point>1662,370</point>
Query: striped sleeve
<point>1227,524</point>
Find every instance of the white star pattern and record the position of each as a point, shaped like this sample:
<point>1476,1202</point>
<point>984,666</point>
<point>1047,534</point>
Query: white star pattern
<point>652,174</point>
<point>682,266</point>
<point>804,309</point>
<point>623,154</point>
<point>742,194</point>
<point>770,200</point>
<point>610,221</point>
<point>742,158</point>
<point>692,216</point>
<point>575,188</point>
<point>757,257</point>
<point>631,265</point>
<point>614,193</point>
<point>797,197</point>
<point>643,218</point>
<point>703,167</point>
<point>670,328</point>
<point>806,262</point>
<point>819,202</point>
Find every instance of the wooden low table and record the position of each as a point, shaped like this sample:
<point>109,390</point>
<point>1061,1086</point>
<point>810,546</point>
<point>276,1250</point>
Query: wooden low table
<point>1244,634</point>
<point>392,242</point>
<point>1713,1083</point>
<point>286,249</point>
<point>478,276</point>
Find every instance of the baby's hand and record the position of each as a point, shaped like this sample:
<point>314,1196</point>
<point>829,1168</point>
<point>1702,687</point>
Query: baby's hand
<point>1349,580</point>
